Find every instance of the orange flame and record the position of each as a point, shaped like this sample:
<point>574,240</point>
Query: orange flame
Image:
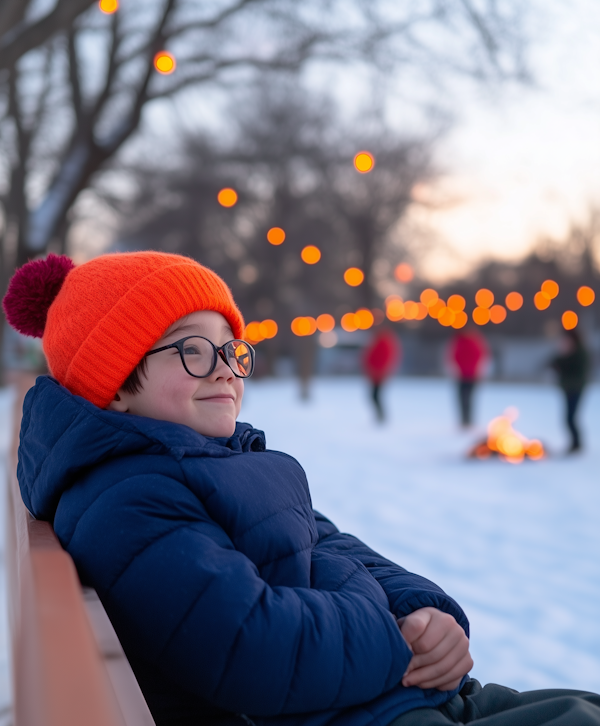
<point>504,440</point>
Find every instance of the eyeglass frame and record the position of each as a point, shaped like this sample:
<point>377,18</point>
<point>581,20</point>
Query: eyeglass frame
<point>218,353</point>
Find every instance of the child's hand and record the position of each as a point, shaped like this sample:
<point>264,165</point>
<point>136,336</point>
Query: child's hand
<point>440,647</point>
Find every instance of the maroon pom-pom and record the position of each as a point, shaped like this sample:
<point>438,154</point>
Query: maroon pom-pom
<point>32,290</point>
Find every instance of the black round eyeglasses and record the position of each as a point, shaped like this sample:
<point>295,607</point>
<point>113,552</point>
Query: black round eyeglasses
<point>199,356</point>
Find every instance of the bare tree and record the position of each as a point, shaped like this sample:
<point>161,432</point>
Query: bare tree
<point>291,163</point>
<point>19,34</point>
<point>69,107</point>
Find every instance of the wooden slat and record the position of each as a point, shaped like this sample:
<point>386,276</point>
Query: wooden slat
<point>60,674</point>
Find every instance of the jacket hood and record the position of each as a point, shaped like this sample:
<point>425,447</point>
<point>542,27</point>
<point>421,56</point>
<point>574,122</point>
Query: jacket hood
<point>62,435</point>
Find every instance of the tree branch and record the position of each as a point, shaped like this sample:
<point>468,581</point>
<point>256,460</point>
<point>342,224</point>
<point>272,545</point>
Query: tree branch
<point>74,76</point>
<point>22,38</point>
<point>111,71</point>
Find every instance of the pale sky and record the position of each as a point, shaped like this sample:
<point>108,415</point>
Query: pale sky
<point>528,163</point>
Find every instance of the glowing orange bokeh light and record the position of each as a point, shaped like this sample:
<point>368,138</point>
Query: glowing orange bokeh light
<point>310,254</point>
<point>460,320</point>
<point>109,6</point>
<point>541,300</point>
<point>510,444</point>
<point>364,319</point>
<point>268,329</point>
<point>484,298</point>
<point>447,317</point>
<point>481,316</point>
<point>227,197</point>
<point>252,333</point>
<point>535,449</point>
<point>353,276</point>
<point>325,323</point>
<point>394,308</point>
<point>585,296</point>
<point>364,162</point>
<point>456,303</point>
<point>276,236</point>
<point>164,62</point>
<point>514,301</point>
<point>436,308</point>
<point>422,311</point>
<point>569,320</point>
<point>348,322</point>
<point>429,297</point>
<point>304,326</point>
<point>497,314</point>
<point>404,272</point>
<point>550,288</point>
<point>411,309</point>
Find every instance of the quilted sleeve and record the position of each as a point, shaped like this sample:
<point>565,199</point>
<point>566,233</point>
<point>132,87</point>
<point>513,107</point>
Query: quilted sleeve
<point>406,591</point>
<point>183,599</point>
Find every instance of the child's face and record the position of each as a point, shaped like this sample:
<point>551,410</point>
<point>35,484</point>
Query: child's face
<point>209,405</point>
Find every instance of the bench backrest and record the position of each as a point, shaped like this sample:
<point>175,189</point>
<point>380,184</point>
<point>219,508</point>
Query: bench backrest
<point>68,666</point>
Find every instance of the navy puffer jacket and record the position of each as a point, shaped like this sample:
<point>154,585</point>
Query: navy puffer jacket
<point>234,601</point>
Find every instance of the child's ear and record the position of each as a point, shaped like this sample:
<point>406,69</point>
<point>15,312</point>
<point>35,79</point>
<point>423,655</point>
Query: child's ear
<point>118,403</point>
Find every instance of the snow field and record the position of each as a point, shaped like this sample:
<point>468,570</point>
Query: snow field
<point>518,546</point>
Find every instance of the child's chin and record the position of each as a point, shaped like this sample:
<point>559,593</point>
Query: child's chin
<point>217,430</point>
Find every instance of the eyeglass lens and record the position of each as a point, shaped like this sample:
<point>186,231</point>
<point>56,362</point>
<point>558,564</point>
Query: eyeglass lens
<point>198,354</point>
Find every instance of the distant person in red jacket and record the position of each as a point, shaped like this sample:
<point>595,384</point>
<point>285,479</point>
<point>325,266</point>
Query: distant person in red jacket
<point>468,353</point>
<point>381,358</point>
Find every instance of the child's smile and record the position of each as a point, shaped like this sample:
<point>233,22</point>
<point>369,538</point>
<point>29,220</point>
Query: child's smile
<point>208,405</point>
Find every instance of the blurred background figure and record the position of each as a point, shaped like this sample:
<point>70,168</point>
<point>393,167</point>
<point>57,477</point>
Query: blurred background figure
<point>468,354</point>
<point>381,358</point>
<point>572,369</point>
<point>306,353</point>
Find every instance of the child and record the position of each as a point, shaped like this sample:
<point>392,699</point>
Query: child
<point>234,601</point>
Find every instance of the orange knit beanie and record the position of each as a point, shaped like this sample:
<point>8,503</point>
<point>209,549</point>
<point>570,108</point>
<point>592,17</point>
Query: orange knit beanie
<point>98,319</point>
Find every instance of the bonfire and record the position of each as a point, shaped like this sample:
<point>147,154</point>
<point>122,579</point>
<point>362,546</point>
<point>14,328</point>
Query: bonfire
<point>506,442</point>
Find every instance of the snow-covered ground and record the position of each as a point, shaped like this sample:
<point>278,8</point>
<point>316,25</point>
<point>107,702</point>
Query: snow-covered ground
<point>517,545</point>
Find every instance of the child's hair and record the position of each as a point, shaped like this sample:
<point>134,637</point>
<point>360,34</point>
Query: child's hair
<point>133,383</point>
<point>98,319</point>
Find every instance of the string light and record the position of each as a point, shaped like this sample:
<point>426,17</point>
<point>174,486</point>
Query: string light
<point>514,301</point>
<point>497,314</point>
<point>585,295</point>
<point>549,288</point>
<point>364,162</point>
<point>164,62</point>
<point>353,276</point>
<point>481,316</point>
<point>310,254</point>
<point>325,323</point>
<point>404,272</point>
<point>108,7</point>
<point>569,320</point>
<point>541,300</point>
<point>484,298</point>
<point>227,197</point>
<point>276,236</point>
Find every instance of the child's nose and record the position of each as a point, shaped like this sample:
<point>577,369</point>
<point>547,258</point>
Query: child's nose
<point>223,367</point>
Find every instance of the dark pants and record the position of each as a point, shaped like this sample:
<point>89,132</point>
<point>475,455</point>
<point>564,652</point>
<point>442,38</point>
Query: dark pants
<point>572,398</point>
<point>465,398</point>
<point>375,395</point>
<point>496,705</point>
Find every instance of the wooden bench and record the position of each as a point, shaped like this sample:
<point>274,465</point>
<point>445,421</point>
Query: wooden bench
<point>68,667</point>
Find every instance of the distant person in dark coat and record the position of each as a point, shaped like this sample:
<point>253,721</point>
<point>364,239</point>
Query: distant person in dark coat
<point>572,369</point>
<point>468,353</point>
<point>381,358</point>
